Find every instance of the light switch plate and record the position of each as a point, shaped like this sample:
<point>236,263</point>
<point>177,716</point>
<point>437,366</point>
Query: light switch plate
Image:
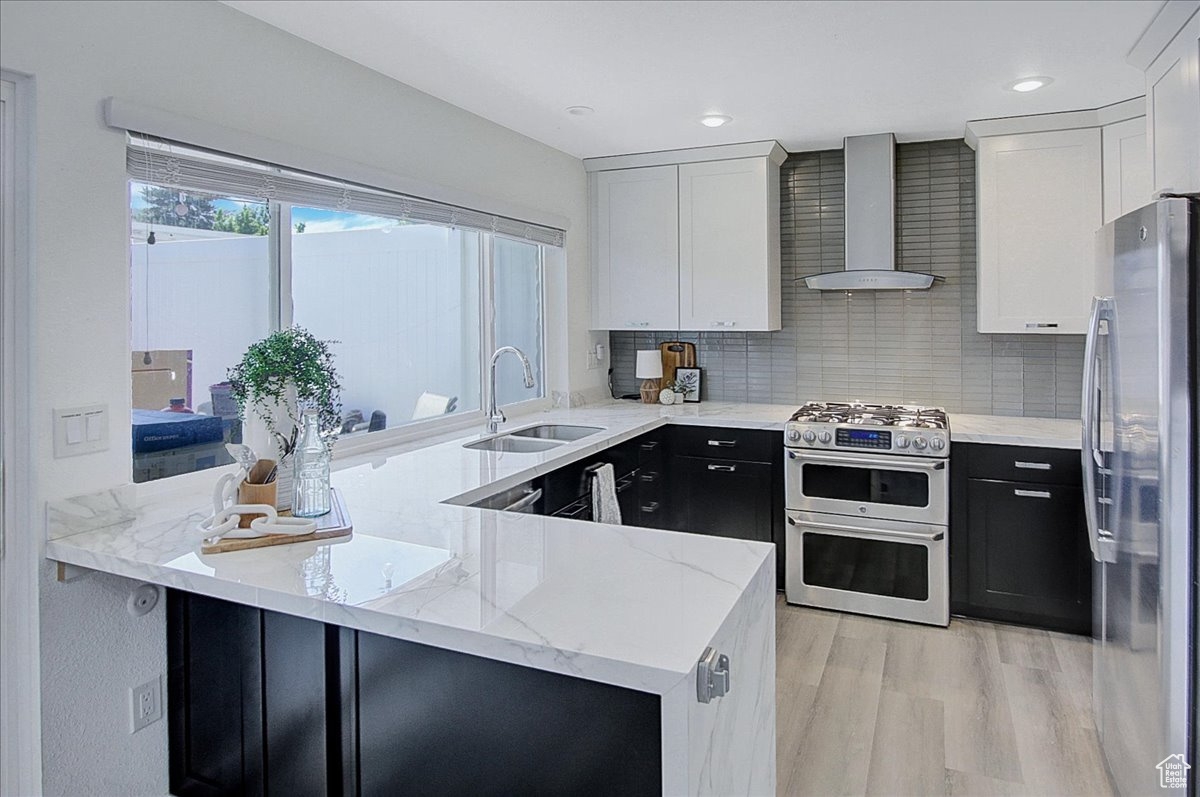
<point>80,430</point>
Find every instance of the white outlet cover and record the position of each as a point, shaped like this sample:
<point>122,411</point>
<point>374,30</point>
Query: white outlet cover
<point>145,704</point>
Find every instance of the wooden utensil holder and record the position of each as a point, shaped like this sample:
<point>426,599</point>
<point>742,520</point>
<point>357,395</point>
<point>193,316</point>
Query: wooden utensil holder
<point>256,494</point>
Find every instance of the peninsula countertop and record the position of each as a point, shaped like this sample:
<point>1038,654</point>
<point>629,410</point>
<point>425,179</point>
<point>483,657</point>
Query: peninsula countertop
<point>628,606</point>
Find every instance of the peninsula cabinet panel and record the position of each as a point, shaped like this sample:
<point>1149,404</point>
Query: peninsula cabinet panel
<point>433,721</point>
<point>635,248</point>
<point>247,701</point>
<point>729,245</point>
<point>263,703</point>
<point>214,697</point>
<point>1040,204</point>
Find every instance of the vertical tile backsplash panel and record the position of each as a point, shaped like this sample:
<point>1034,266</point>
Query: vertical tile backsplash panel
<point>917,347</point>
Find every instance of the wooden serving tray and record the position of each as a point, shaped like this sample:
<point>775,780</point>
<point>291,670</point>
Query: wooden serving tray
<point>329,526</point>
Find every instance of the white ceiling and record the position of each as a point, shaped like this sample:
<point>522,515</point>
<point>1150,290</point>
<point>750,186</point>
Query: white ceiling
<point>805,73</point>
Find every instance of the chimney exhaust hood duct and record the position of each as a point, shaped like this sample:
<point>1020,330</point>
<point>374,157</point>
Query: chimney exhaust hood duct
<point>870,223</point>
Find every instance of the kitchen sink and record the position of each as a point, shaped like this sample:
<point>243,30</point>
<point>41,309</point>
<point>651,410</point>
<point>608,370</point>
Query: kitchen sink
<point>516,445</point>
<point>557,431</point>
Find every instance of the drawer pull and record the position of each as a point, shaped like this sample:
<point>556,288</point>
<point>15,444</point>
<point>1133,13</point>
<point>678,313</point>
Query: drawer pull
<point>650,507</point>
<point>723,468</point>
<point>653,444</point>
<point>724,323</point>
<point>1032,493</point>
<point>1031,465</point>
<point>648,478</point>
<point>722,443</point>
<point>637,323</point>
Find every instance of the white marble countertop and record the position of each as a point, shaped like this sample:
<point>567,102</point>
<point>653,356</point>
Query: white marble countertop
<point>1009,431</point>
<point>629,606</point>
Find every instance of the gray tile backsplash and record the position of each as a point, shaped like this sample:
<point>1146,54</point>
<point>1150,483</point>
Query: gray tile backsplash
<point>916,347</point>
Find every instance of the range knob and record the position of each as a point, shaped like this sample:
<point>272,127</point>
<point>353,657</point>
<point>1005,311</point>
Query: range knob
<point>901,441</point>
<point>809,436</point>
<point>919,443</point>
<point>825,437</point>
<point>793,435</point>
<point>937,444</point>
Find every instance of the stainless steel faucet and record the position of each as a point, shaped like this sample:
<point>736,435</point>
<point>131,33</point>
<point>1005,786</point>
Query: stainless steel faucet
<point>495,416</point>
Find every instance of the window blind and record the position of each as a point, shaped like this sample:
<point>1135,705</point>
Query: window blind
<point>178,166</point>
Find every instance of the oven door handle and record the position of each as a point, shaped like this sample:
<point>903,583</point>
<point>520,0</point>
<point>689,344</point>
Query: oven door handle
<point>859,531</point>
<point>898,463</point>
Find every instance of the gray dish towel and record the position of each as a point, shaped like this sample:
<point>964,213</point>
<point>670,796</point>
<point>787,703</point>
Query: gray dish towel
<point>605,508</point>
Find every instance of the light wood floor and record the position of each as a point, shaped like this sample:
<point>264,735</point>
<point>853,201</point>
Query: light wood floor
<point>869,706</point>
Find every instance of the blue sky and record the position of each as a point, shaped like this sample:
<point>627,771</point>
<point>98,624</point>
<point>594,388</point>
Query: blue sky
<point>315,219</point>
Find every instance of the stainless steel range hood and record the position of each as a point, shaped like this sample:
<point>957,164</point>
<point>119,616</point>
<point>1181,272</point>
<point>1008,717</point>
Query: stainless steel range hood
<point>870,223</point>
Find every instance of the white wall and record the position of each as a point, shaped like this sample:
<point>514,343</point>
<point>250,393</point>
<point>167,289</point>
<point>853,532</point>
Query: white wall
<point>204,60</point>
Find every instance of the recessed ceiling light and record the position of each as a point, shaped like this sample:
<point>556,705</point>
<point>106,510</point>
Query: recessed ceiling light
<point>715,119</point>
<point>1029,83</point>
<point>580,110</point>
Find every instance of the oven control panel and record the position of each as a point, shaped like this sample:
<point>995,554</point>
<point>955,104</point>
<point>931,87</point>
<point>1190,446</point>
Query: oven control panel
<point>863,438</point>
<point>909,441</point>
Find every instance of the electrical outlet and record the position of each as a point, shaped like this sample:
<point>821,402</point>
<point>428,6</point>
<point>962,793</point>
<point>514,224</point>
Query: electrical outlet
<point>145,704</point>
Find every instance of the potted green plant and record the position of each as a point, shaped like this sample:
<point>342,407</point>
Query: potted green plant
<point>277,378</point>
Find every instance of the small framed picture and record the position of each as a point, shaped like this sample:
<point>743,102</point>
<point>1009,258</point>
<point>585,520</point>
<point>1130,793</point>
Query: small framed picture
<point>689,380</point>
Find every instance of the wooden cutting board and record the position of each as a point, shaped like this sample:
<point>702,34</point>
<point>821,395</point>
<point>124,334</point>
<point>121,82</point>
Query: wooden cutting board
<point>676,354</point>
<point>336,523</point>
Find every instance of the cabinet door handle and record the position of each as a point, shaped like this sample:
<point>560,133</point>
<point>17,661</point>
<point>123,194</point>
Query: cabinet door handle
<point>653,444</point>
<point>647,478</point>
<point>1040,325</point>
<point>1031,465</point>
<point>650,507</point>
<point>723,468</point>
<point>637,323</point>
<point>722,443</point>
<point>1032,493</point>
<point>724,323</point>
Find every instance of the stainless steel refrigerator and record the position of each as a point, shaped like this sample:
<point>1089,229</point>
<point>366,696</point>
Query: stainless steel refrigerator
<point>1140,474</point>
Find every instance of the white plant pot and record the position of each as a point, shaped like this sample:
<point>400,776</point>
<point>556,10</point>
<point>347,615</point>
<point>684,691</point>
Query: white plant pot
<point>266,445</point>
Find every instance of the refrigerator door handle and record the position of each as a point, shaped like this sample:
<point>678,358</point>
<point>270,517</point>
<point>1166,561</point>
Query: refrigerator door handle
<point>1100,541</point>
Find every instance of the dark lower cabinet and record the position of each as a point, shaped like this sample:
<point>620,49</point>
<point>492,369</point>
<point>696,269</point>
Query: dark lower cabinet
<point>214,696</point>
<point>699,479</point>
<point>1018,547</point>
<point>246,699</point>
<point>262,703</point>
<point>725,498</point>
<point>432,721</point>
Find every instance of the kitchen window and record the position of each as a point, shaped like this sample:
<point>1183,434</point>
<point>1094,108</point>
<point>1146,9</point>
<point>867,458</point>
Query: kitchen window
<point>416,295</point>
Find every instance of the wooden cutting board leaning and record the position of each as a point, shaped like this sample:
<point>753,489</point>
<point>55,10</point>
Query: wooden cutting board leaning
<point>676,354</point>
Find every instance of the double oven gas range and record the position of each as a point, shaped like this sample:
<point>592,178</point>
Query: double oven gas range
<point>867,493</point>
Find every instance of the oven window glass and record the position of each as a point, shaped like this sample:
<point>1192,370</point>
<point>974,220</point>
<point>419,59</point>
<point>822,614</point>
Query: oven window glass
<point>866,485</point>
<point>861,564</point>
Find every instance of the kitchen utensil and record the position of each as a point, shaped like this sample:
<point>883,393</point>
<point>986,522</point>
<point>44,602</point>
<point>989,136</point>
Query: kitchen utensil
<point>242,454</point>
<point>676,354</point>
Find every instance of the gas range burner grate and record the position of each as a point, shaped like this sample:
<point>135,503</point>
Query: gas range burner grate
<point>872,415</point>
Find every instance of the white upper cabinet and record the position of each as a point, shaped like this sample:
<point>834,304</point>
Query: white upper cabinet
<point>687,240</point>
<point>1173,112</point>
<point>729,245</point>
<point>635,248</point>
<point>1126,167</point>
<point>1040,205</point>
